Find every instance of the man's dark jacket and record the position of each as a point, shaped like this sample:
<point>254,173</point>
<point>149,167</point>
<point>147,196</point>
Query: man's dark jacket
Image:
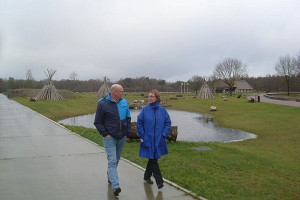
<point>113,118</point>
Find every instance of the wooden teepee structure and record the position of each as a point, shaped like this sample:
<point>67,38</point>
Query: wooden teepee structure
<point>103,90</point>
<point>205,92</point>
<point>49,92</point>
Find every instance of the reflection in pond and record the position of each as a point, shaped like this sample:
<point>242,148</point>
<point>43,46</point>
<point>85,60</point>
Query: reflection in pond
<point>191,127</point>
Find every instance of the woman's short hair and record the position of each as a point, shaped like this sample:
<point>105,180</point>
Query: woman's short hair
<point>157,94</point>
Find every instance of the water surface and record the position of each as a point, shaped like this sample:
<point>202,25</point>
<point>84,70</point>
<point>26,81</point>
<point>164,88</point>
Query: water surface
<point>191,127</point>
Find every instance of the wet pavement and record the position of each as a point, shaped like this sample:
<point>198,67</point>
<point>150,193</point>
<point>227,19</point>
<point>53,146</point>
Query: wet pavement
<point>39,159</point>
<point>275,101</point>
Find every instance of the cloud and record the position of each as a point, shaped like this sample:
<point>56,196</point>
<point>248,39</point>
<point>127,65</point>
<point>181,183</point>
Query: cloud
<point>166,39</point>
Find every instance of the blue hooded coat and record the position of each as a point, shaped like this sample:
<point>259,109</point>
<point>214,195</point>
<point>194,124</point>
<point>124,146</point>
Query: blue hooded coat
<point>153,126</point>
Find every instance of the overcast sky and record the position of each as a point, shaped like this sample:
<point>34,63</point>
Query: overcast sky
<point>163,39</point>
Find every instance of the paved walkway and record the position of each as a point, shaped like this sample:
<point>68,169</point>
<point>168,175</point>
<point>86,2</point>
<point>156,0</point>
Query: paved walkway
<point>274,101</point>
<point>40,160</point>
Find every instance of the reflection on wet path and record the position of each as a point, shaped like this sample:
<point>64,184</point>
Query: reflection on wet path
<point>149,193</point>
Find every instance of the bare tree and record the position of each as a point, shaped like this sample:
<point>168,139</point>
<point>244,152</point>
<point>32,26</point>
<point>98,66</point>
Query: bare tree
<point>195,83</point>
<point>73,76</point>
<point>230,71</point>
<point>286,68</point>
<point>29,75</point>
<point>297,63</point>
<point>29,79</point>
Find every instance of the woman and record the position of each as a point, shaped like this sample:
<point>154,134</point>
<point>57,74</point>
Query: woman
<point>153,126</point>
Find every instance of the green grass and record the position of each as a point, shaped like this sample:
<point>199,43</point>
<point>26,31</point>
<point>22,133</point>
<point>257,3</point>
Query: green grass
<point>267,167</point>
<point>57,110</point>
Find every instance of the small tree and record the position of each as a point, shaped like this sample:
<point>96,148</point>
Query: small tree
<point>230,71</point>
<point>73,76</point>
<point>29,78</point>
<point>286,68</point>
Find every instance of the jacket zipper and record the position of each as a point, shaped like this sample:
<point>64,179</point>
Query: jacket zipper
<point>119,116</point>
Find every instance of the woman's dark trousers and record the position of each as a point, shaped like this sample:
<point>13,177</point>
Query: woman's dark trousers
<point>153,168</point>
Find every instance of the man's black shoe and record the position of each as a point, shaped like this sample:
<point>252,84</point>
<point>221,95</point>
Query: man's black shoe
<point>148,181</point>
<point>117,191</point>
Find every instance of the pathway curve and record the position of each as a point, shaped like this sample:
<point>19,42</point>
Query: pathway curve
<point>274,101</point>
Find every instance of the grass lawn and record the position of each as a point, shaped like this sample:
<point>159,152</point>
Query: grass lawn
<point>57,110</point>
<point>267,167</point>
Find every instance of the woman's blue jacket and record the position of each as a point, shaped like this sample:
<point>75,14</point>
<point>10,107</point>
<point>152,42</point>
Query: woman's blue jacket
<point>153,126</point>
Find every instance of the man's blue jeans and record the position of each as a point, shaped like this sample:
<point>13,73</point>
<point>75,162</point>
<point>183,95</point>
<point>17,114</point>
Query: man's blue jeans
<point>113,149</point>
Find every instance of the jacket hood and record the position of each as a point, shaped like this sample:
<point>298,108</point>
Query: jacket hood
<point>108,97</point>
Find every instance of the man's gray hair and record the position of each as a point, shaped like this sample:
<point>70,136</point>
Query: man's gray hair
<point>114,87</point>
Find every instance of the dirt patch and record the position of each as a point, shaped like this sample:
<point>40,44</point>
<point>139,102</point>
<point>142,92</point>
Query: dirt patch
<point>32,93</point>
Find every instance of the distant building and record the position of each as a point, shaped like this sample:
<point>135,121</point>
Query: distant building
<point>240,87</point>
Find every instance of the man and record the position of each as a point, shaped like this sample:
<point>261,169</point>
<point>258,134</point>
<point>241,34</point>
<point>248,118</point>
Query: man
<point>113,121</point>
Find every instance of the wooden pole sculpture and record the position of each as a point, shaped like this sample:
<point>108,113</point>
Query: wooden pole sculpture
<point>49,92</point>
<point>205,92</point>
<point>104,89</point>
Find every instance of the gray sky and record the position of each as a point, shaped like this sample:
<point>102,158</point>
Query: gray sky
<point>162,39</point>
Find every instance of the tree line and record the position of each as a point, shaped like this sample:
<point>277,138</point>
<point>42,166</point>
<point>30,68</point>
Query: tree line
<point>229,71</point>
<point>270,83</point>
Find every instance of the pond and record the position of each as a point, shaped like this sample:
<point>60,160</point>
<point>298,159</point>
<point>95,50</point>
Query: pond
<point>191,127</point>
